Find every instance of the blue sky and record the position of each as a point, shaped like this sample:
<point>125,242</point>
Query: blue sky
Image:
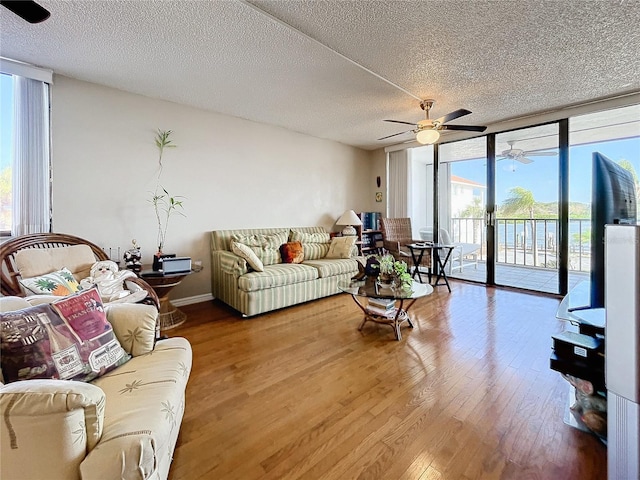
<point>541,176</point>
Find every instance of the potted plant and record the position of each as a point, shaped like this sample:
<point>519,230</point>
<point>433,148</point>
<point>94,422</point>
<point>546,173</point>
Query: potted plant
<point>393,271</point>
<point>164,204</point>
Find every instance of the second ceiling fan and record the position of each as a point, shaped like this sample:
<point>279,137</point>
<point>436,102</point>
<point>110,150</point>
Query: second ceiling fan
<point>519,155</point>
<point>428,131</point>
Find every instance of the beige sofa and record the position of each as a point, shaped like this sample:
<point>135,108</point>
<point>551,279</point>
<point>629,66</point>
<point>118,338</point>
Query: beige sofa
<point>280,284</point>
<point>122,425</point>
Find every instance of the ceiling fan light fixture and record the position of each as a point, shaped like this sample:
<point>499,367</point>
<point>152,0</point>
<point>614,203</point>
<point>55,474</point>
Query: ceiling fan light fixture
<point>427,137</point>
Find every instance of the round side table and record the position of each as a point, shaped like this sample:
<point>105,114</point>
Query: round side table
<point>169,316</point>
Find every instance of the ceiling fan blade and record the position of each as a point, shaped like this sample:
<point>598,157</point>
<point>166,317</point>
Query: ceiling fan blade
<point>469,128</point>
<point>541,154</point>
<point>524,160</point>
<point>27,9</point>
<point>452,116</point>
<point>400,121</point>
<point>395,134</point>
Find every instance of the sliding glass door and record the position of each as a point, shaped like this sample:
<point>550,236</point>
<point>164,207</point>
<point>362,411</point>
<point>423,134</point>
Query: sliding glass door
<point>462,201</point>
<point>526,219</point>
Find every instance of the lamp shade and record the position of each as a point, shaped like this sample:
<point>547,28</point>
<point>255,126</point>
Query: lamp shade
<point>427,137</point>
<point>349,218</point>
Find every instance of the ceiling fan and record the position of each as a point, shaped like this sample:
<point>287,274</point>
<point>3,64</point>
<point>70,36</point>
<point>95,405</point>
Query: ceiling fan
<point>27,10</point>
<point>428,131</point>
<point>519,155</point>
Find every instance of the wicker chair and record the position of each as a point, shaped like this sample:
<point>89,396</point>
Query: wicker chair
<point>9,274</point>
<point>396,233</point>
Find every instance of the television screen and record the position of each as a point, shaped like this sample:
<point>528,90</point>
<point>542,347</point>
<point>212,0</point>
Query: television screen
<point>613,201</point>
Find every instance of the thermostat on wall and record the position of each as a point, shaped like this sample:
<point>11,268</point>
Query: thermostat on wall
<point>176,265</point>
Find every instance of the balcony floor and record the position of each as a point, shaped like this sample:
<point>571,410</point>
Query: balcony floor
<point>520,276</point>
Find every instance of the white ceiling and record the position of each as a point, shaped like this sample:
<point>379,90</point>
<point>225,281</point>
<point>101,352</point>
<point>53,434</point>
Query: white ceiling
<point>295,63</point>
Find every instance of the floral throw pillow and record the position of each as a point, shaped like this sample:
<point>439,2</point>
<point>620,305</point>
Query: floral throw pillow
<point>292,252</point>
<point>60,284</point>
<point>69,339</point>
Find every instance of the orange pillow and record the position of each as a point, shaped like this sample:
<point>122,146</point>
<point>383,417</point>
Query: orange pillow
<point>292,252</point>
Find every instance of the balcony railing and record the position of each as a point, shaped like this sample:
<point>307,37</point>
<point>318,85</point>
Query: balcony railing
<point>515,245</point>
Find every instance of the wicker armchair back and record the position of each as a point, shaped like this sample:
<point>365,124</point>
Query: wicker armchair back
<point>396,233</point>
<point>9,274</point>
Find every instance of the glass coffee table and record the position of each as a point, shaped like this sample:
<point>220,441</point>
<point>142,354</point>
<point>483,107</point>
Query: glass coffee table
<point>384,304</point>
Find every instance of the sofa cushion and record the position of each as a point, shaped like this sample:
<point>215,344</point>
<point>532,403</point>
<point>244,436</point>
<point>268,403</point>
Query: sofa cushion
<point>333,267</point>
<point>69,339</point>
<point>60,283</point>
<point>314,244</point>
<point>341,247</point>
<point>276,276</point>
<point>134,325</point>
<point>145,403</point>
<point>8,304</point>
<point>291,252</point>
<point>32,262</point>
<point>265,246</point>
<point>248,254</point>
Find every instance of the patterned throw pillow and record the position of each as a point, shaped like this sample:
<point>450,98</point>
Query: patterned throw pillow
<point>315,245</point>
<point>245,252</point>
<point>69,339</point>
<point>341,247</point>
<point>292,252</point>
<point>265,246</point>
<point>60,284</point>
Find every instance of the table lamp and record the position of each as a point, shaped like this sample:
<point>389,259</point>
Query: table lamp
<point>349,218</point>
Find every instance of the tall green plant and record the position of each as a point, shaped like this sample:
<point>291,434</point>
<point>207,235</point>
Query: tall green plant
<point>164,204</point>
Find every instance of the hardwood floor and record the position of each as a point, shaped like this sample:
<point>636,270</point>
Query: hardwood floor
<point>301,393</point>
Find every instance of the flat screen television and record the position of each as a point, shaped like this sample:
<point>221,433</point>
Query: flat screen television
<point>613,201</point>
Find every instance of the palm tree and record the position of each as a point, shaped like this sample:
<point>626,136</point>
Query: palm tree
<point>474,211</point>
<point>522,200</point>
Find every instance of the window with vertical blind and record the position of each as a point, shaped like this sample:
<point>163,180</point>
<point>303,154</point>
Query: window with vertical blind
<point>25,187</point>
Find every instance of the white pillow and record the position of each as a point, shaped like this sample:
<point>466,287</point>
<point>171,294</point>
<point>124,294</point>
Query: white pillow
<point>341,247</point>
<point>249,255</point>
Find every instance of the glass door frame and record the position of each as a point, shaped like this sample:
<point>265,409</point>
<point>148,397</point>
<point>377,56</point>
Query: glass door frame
<point>490,207</point>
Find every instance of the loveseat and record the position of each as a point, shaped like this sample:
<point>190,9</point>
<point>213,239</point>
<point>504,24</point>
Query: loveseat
<point>251,292</point>
<point>121,425</point>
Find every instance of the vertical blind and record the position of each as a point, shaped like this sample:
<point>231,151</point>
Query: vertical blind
<point>31,162</point>
<point>398,195</point>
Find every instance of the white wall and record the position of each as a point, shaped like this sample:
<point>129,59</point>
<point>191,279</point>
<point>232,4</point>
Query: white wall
<point>234,174</point>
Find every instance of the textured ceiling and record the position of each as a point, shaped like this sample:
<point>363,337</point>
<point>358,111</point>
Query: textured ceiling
<point>291,63</point>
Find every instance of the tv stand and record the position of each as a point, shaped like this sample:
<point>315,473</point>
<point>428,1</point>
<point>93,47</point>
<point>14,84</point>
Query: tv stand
<point>578,354</point>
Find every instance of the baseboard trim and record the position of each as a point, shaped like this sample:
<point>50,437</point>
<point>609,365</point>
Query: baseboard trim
<point>180,302</point>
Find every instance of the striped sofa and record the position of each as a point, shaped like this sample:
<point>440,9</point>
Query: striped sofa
<point>279,285</point>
